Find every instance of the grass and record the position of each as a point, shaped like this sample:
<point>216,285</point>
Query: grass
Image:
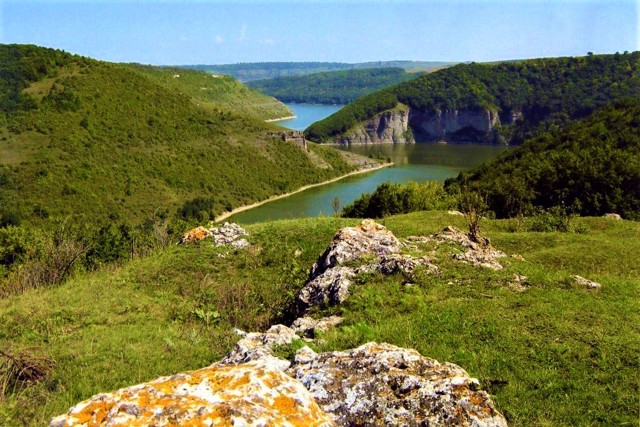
<point>552,355</point>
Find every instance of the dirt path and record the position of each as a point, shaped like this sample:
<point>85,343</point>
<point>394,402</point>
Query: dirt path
<point>226,215</point>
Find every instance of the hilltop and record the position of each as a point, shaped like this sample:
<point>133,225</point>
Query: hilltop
<point>249,71</point>
<point>500,103</point>
<point>547,349</point>
<point>97,141</point>
<point>334,87</point>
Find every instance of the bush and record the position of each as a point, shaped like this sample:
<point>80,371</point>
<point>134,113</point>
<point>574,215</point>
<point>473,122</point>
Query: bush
<point>392,199</point>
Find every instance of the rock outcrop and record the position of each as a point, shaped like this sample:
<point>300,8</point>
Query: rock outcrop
<point>353,242</point>
<point>406,125</point>
<point>454,125</point>
<point>228,234</point>
<point>477,253</point>
<point>256,346</point>
<point>251,394</point>
<point>388,127</point>
<point>329,280</point>
<point>381,384</point>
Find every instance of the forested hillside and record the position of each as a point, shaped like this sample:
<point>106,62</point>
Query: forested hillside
<point>249,71</point>
<point>98,140</point>
<point>336,87</point>
<point>591,168</point>
<point>514,98</point>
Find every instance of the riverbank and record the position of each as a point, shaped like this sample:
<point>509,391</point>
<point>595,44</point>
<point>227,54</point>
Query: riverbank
<point>279,119</point>
<point>226,215</point>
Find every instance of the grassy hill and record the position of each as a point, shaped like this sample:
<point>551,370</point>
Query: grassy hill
<point>334,87</point>
<point>249,71</point>
<point>98,141</point>
<point>553,354</point>
<point>214,91</point>
<point>537,93</point>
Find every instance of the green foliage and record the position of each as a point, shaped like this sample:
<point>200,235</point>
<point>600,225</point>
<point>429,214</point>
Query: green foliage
<point>590,168</point>
<point>392,199</point>
<point>116,140</point>
<point>335,87</point>
<point>200,208</point>
<point>546,93</point>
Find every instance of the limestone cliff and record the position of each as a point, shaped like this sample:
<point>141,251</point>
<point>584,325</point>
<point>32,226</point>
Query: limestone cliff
<point>388,127</point>
<point>401,124</point>
<point>454,125</point>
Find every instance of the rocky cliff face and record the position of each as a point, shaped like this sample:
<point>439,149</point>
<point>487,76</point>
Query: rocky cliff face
<point>454,125</point>
<point>401,125</point>
<point>388,127</point>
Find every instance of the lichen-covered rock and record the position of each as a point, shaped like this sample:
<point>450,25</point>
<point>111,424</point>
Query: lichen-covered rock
<point>331,287</point>
<point>407,265</point>
<point>352,242</point>
<point>253,394</point>
<point>308,326</point>
<point>586,283</point>
<point>478,253</point>
<point>259,346</point>
<point>195,235</point>
<point>229,234</point>
<point>381,384</point>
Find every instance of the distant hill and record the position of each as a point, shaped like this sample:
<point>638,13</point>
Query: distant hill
<point>97,140</point>
<point>333,87</point>
<point>590,168</point>
<point>505,102</point>
<point>214,91</point>
<point>249,71</point>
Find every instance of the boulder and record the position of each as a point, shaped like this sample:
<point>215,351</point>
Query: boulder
<point>308,326</point>
<point>229,234</point>
<point>478,253</point>
<point>381,384</point>
<point>331,287</point>
<point>352,242</point>
<point>255,393</point>
<point>256,346</point>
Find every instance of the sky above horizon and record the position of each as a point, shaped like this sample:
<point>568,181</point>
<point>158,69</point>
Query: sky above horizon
<point>172,32</point>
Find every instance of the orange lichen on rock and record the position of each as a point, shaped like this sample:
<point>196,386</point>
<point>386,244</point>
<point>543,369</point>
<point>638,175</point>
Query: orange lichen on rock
<point>195,235</point>
<point>254,393</point>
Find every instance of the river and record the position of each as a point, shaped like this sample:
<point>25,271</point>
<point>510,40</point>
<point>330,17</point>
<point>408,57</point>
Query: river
<point>413,162</point>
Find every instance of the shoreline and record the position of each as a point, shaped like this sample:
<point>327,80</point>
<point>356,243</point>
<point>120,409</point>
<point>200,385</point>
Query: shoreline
<point>226,215</point>
<point>279,119</point>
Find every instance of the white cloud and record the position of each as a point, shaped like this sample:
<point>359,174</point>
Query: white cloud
<point>270,42</point>
<point>218,39</point>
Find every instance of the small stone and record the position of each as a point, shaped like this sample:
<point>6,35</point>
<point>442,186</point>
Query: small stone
<point>586,283</point>
<point>456,213</point>
<point>195,235</point>
<point>308,326</point>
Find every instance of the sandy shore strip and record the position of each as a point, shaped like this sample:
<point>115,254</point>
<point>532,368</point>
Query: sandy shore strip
<point>279,119</point>
<point>226,215</point>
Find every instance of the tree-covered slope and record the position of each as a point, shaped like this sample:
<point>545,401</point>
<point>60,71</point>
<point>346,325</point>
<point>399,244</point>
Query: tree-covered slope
<point>590,168</point>
<point>335,87</point>
<point>249,71</point>
<point>101,140</point>
<point>523,95</point>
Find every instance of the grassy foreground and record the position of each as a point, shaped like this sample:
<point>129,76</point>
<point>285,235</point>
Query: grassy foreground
<point>554,354</point>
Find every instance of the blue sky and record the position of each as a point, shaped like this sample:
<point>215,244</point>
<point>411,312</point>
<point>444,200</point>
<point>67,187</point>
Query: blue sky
<point>215,32</point>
